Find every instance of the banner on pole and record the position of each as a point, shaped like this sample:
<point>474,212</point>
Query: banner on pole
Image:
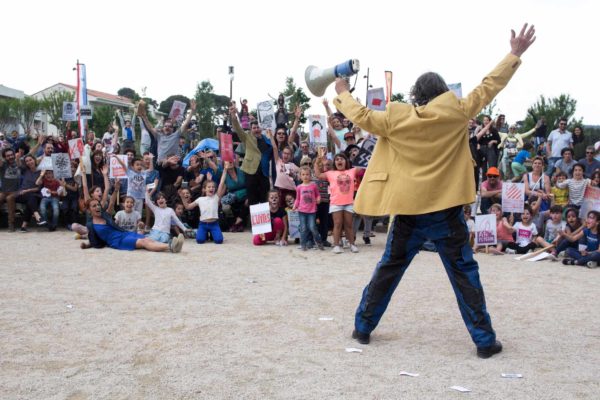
<point>260,216</point>
<point>485,230</point>
<point>513,197</point>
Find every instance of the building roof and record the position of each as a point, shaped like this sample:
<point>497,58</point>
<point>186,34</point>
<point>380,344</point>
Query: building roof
<point>11,93</point>
<point>93,95</point>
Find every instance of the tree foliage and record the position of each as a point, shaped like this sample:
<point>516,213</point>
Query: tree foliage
<point>53,106</point>
<point>399,97</point>
<point>24,110</point>
<point>101,119</point>
<point>165,105</point>
<point>210,107</point>
<point>553,108</point>
<point>298,98</point>
<point>129,93</point>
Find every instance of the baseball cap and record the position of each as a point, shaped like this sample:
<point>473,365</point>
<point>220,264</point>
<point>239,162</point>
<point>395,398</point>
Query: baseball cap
<point>493,171</point>
<point>349,135</point>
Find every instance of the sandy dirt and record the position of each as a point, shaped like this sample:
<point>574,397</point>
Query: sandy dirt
<point>236,321</point>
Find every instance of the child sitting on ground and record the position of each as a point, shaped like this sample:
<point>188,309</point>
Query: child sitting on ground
<point>209,212</point>
<point>526,234</point>
<point>279,223</point>
<point>163,218</point>
<point>128,218</point>
<point>588,253</point>
<point>572,227</point>
<point>503,231</point>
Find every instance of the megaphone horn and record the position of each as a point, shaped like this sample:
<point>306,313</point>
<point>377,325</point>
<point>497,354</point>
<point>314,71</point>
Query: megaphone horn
<point>318,79</point>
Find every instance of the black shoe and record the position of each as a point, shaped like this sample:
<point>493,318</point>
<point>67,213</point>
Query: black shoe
<point>568,261</point>
<point>41,222</point>
<point>362,338</point>
<point>326,243</point>
<point>23,230</point>
<point>367,240</point>
<point>487,352</point>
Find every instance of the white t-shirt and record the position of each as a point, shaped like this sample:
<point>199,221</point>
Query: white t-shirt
<point>128,221</point>
<point>524,233</point>
<point>209,207</point>
<point>559,141</point>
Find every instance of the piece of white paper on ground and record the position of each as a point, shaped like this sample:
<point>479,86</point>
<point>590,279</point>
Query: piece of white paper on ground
<point>250,281</point>
<point>325,318</point>
<point>511,375</point>
<point>541,256</point>
<point>69,305</point>
<point>353,350</point>
<point>460,388</point>
<point>408,373</point>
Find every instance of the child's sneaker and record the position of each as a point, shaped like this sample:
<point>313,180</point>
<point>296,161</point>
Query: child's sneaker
<point>337,250</point>
<point>353,248</point>
<point>592,264</point>
<point>367,240</point>
<point>568,261</point>
<point>345,243</point>
<point>510,251</point>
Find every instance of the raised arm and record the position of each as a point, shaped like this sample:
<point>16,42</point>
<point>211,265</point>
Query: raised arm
<point>318,166</point>
<point>86,193</point>
<point>484,130</point>
<point>235,122</point>
<point>222,189</point>
<point>189,116</point>
<point>294,130</point>
<point>106,185</point>
<point>333,136</point>
<point>275,149</point>
<point>113,197</point>
<point>149,127</point>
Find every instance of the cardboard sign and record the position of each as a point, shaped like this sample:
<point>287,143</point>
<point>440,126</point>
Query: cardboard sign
<point>456,88</point>
<point>317,130</point>
<point>365,153</point>
<point>61,164</point>
<point>45,164</point>
<point>485,230</point>
<point>591,201</point>
<point>376,99</point>
<point>513,197</point>
<point>75,148</point>
<point>69,111</point>
<point>116,169</point>
<point>226,147</point>
<point>260,216</point>
<point>177,110</point>
<point>266,115</point>
<point>85,112</point>
<point>294,224</point>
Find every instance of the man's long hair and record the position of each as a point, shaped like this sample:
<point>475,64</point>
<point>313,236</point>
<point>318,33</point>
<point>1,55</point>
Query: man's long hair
<point>427,87</point>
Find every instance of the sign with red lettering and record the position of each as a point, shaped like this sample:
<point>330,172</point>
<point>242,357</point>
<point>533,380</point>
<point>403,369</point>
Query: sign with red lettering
<point>75,148</point>
<point>226,147</point>
<point>116,169</point>
<point>260,216</point>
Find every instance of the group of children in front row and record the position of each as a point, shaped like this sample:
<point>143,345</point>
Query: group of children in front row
<point>576,240</point>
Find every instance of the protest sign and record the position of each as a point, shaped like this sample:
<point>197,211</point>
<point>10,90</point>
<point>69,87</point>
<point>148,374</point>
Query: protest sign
<point>591,201</point>
<point>85,112</point>
<point>266,115</point>
<point>317,130</point>
<point>69,111</point>
<point>177,110</point>
<point>260,216</point>
<point>485,230</point>
<point>45,164</point>
<point>61,164</point>
<point>294,224</point>
<point>226,147</point>
<point>376,99</point>
<point>513,197</point>
<point>116,169</point>
<point>75,148</point>
<point>456,88</point>
<point>365,152</point>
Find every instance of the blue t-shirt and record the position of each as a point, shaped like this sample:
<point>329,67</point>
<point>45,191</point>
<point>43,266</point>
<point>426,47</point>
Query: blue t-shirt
<point>521,157</point>
<point>590,239</point>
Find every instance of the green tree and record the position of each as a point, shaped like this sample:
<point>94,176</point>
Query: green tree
<point>298,98</point>
<point>101,119</point>
<point>399,97</point>
<point>129,93</point>
<point>209,108</point>
<point>53,106</point>
<point>165,105</point>
<point>553,108</point>
<point>6,116</point>
<point>24,110</point>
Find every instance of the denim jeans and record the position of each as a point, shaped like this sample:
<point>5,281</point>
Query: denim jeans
<point>448,231</point>
<point>308,224</point>
<point>44,210</point>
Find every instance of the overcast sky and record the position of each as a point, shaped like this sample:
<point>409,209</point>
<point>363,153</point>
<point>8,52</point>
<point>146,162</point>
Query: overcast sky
<point>169,47</point>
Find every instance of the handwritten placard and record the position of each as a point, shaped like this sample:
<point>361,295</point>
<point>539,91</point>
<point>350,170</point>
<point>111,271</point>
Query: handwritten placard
<point>485,230</point>
<point>260,216</point>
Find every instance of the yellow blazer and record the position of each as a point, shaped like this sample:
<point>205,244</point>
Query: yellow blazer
<point>422,162</point>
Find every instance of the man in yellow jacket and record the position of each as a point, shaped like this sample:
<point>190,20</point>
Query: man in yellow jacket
<point>420,147</point>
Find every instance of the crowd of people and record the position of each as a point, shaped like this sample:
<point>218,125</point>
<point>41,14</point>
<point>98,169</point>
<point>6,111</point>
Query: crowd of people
<point>164,199</point>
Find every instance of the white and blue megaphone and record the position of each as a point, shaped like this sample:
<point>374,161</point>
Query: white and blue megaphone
<point>318,79</point>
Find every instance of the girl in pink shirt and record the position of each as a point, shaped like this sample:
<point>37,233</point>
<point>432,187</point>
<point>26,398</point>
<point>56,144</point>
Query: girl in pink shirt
<point>341,187</point>
<point>307,198</point>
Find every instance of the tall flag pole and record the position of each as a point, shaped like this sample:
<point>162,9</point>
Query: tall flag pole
<point>388,86</point>
<point>82,101</point>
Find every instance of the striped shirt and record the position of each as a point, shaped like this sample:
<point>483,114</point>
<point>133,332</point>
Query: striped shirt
<point>576,189</point>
